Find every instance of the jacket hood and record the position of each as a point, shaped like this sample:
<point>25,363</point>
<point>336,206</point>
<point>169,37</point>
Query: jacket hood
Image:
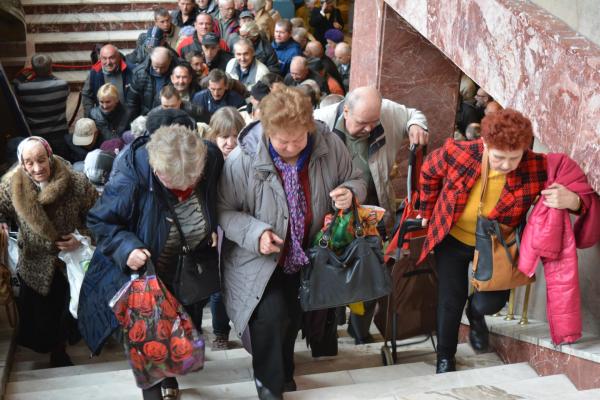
<point>251,136</point>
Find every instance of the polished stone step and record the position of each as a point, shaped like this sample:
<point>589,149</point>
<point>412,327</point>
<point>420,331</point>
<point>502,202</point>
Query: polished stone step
<point>85,22</point>
<point>406,386</point>
<point>38,7</point>
<point>69,41</point>
<point>534,388</point>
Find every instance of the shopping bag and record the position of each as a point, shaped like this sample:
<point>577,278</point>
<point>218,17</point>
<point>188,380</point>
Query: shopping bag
<point>7,298</point>
<point>77,262</point>
<point>12,262</point>
<point>159,336</point>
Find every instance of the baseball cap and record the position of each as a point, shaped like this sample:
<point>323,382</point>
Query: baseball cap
<point>246,14</point>
<point>84,132</point>
<point>211,39</point>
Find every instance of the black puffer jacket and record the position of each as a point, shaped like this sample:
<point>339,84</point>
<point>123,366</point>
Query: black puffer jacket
<point>111,125</point>
<point>143,95</point>
<point>265,53</point>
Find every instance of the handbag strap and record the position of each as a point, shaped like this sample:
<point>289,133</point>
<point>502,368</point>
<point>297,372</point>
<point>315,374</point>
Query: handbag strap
<point>484,178</point>
<point>358,229</point>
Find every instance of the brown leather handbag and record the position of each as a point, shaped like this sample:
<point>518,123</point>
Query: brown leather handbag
<point>496,249</point>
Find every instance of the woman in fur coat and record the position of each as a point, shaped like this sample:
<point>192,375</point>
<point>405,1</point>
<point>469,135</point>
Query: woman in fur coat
<point>48,200</point>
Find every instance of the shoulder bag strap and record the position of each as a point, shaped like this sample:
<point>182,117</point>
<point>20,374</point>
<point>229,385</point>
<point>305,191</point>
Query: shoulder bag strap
<point>185,247</point>
<point>484,178</point>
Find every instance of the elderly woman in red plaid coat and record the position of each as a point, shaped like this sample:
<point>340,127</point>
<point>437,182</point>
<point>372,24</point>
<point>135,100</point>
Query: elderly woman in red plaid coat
<point>450,196</point>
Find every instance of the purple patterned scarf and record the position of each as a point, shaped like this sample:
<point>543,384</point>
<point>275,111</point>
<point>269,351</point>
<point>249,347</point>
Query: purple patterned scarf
<point>296,200</point>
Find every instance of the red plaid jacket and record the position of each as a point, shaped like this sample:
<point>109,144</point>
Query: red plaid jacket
<point>449,173</point>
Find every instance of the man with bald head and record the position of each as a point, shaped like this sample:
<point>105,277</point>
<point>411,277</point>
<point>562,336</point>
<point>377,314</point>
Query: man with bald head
<point>315,50</point>
<point>343,55</point>
<point>299,72</point>
<point>148,80</point>
<point>374,130</point>
<point>110,68</point>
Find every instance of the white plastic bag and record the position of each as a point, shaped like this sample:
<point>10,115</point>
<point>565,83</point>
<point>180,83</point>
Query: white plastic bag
<point>13,259</point>
<point>77,262</point>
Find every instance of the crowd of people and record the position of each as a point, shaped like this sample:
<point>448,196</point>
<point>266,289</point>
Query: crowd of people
<point>242,126</point>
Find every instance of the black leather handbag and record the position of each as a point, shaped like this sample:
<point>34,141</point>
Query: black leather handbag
<point>357,274</point>
<point>197,273</point>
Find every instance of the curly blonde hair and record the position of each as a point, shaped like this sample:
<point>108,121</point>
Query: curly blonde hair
<point>286,108</point>
<point>177,153</point>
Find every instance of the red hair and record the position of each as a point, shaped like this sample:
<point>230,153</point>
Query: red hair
<point>507,130</point>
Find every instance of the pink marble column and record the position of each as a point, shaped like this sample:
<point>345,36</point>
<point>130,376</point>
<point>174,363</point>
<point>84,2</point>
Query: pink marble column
<point>366,42</point>
<point>415,73</point>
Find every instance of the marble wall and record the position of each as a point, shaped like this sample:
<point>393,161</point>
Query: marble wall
<point>527,59</point>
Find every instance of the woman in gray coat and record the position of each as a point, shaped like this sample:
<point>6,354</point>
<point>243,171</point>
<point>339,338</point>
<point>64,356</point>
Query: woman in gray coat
<point>274,192</point>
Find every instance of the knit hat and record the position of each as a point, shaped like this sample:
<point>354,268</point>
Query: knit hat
<point>335,35</point>
<point>166,117</point>
<point>112,145</point>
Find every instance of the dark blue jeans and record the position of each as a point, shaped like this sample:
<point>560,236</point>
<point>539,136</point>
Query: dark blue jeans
<point>220,320</point>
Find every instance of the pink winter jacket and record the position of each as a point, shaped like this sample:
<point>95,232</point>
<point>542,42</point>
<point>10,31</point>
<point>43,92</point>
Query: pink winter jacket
<point>550,237</point>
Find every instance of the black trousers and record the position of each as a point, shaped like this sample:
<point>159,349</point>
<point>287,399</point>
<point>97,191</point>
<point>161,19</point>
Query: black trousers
<point>452,258</point>
<point>274,327</point>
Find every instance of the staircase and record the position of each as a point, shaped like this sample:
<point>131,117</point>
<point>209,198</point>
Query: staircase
<point>67,30</point>
<point>356,373</point>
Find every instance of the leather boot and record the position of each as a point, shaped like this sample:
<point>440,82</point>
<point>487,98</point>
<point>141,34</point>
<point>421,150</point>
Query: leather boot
<point>264,393</point>
<point>478,332</point>
<point>445,365</point>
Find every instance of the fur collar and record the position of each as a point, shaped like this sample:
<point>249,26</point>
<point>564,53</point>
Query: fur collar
<point>29,201</point>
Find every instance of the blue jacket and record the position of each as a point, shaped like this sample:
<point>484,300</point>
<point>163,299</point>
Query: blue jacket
<point>206,101</point>
<point>285,52</point>
<point>131,215</point>
<point>96,79</point>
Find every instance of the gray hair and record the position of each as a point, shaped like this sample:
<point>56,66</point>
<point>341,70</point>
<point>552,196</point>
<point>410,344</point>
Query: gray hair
<point>244,42</point>
<point>257,4</point>
<point>299,32</point>
<point>41,64</point>
<point>251,28</point>
<point>226,121</point>
<point>138,126</point>
<point>222,2</point>
<point>178,153</point>
<point>160,51</point>
<point>330,99</point>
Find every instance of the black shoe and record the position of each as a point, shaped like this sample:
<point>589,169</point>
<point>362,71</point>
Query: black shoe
<point>445,365</point>
<point>60,359</point>
<point>290,386</point>
<point>359,340</point>
<point>264,393</point>
<point>479,335</point>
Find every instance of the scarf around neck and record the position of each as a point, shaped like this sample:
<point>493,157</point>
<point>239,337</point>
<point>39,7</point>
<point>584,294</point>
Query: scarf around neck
<point>297,205</point>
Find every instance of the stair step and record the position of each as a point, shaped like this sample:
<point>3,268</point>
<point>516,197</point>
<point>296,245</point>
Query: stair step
<point>534,388</point>
<point>591,394</point>
<point>65,41</point>
<point>405,386</point>
<point>85,22</point>
<point>38,7</point>
<point>79,58</point>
